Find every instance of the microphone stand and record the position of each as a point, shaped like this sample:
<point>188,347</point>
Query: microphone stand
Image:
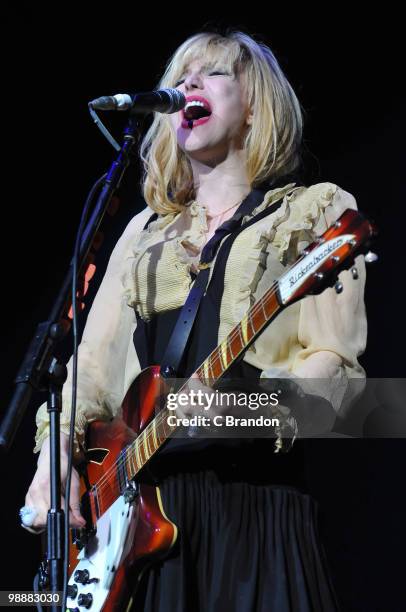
<point>41,370</point>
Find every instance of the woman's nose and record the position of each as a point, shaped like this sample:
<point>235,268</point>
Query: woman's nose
<point>194,81</point>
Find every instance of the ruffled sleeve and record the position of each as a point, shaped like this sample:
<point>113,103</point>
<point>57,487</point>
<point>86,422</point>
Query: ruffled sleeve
<point>332,328</point>
<point>107,362</point>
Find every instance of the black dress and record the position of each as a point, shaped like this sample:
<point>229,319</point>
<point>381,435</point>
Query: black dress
<point>247,529</point>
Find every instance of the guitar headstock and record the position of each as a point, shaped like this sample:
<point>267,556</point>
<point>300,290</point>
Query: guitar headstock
<point>322,261</point>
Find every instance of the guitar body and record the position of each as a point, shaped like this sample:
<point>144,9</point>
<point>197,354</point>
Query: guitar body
<point>127,532</point>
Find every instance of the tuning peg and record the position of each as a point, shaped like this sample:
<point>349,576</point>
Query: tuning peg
<point>338,287</point>
<point>371,257</point>
<point>354,273</point>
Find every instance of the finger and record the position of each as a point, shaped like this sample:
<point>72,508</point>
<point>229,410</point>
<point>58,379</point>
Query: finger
<point>75,498</point>
<point>74,507</point>
<point>75,522</point>
<point>32,530</point>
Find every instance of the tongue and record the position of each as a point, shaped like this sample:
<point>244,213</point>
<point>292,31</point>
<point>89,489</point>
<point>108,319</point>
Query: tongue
<point>196,112</point>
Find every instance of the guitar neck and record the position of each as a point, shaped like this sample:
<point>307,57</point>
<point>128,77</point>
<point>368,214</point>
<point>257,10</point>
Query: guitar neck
<point>241,336</point>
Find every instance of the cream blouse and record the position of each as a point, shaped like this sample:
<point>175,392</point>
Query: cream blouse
<point>149,271</point>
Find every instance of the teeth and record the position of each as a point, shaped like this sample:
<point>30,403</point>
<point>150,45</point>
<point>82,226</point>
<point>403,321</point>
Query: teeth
<point>194,103</point>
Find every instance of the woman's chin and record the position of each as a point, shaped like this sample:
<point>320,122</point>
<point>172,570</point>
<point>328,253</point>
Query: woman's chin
<point>208,155</point>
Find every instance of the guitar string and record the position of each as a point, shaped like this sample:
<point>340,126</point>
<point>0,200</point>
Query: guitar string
<point>148,431</point>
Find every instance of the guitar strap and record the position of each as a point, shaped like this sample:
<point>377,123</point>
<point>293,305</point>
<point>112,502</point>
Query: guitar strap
<point>181,332</point>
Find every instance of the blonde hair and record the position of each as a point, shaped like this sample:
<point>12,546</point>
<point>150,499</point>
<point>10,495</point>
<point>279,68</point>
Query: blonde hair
<point>272,143</point>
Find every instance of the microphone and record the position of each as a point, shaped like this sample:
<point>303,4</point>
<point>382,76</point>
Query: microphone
<point>160,101</point>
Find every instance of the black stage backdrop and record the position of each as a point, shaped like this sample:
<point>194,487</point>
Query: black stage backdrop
<point>348,77</point>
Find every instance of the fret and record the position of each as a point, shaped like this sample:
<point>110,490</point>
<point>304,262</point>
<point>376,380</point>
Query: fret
<point>209,361</point>
<point>158,432</point>
<point>211,368</point>
<point>155,440</point>
<point>219,359</point>
<point>146,442</point>
<point>130,463</point>
<point>134,470</point>
<point>252,324</point>
<point>137,452</point>
<point>231,349</point>
<point>142,449</point>
<point>244,330</point>
<point>205,366</point>
<point>266,299</point>
<point>223,354</point>
<point>263,309</point>
<point>214,358</point>
<point>164,422</point>
<point>151,438</point>
<point>134,456</point>
<point>272,304</point>
<point>240,335</point>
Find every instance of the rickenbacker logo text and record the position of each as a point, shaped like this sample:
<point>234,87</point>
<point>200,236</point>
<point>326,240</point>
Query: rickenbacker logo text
<point>316,258</point>
<point>302,270</point>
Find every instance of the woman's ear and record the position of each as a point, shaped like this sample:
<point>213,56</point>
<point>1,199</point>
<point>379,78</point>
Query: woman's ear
<point>250,117</point>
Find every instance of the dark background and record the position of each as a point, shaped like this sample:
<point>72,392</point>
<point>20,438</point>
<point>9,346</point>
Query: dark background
<point>349,79</point>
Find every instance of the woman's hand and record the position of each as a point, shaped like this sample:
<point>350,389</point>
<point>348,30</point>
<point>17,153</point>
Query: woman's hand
<point>38,495</point>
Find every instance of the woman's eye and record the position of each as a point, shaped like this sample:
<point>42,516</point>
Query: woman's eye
<point>179,82</point>
<point>216,72</point>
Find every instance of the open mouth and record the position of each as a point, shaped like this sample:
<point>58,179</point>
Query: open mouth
<point>196,111</point>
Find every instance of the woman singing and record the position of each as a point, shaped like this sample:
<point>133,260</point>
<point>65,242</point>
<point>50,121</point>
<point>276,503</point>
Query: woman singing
<point>221,172</point>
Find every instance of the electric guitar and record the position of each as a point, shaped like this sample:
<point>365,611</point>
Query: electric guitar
<point>127,528</point>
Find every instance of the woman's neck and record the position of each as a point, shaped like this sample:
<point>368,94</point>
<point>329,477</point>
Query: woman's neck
<point>222,185</point>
